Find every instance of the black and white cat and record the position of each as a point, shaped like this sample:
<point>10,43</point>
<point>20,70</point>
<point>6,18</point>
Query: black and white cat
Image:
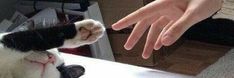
<point>30,54</point>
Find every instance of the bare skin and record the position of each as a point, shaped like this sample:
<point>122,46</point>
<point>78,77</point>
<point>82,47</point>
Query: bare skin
<point>167,20</point>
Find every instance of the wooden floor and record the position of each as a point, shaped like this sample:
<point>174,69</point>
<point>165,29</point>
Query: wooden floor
<point>191,57</point>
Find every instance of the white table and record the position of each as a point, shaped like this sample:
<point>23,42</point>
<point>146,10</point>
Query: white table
<point>96,68</point>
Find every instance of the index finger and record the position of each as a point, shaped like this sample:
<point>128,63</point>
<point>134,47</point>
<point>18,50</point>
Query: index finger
<point>143,13</point>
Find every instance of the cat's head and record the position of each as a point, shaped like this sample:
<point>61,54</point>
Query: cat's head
<point>50,65</point>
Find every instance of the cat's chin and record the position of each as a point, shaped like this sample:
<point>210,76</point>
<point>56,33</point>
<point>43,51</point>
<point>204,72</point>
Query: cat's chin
<point>40,65</point>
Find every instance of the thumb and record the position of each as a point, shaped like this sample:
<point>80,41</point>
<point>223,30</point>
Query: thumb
<point>177,29</point>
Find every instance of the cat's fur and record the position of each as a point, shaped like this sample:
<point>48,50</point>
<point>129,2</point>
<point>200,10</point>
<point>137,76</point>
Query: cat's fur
<point>31,53</point>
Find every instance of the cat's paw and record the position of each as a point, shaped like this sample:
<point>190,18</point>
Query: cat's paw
<point>88,32</point>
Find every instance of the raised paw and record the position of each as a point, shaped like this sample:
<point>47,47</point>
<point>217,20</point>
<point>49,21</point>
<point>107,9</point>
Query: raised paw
<point>88,32</point>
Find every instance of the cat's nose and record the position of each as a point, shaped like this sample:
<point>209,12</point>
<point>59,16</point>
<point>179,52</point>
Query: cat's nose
<point>71,71</point>
<point>41,58</point>
<point>51,59</point>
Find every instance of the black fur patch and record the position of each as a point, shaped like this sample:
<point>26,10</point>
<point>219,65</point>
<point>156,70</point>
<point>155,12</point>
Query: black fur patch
<point>39,39</point>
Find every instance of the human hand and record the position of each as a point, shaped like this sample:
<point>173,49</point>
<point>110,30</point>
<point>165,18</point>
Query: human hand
<point>169,19</point>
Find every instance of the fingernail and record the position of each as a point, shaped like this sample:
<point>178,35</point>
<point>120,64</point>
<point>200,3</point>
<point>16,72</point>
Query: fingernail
<point>167,40</point>
<point>145,56</point>
<point>127,47</point>
<point>157,47</point>
<point>114,27</point>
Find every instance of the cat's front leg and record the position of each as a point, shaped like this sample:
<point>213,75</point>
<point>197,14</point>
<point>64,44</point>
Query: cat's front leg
<point>69,36</point>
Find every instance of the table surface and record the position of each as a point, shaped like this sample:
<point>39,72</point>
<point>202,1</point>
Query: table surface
<point>96,68</point>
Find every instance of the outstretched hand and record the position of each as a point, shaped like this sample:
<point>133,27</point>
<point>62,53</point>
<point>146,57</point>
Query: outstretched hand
<point>167,20</point>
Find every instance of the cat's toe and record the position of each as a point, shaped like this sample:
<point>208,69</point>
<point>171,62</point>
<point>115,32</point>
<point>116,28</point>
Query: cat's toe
<point>97,32</point>
<point>90,30</point>
<point>84,33</point>
<point>88,24</point>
